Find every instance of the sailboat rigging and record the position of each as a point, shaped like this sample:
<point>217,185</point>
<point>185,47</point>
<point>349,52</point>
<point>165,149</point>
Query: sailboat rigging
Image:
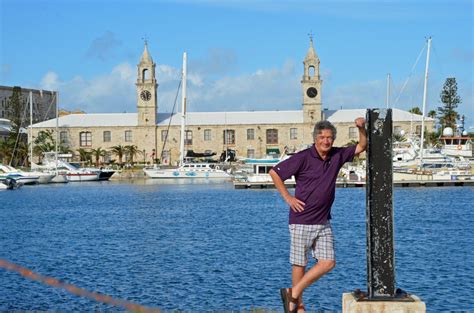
<point>186,170</point>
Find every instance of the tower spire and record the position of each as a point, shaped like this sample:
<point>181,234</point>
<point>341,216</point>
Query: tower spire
<point>146,57</point>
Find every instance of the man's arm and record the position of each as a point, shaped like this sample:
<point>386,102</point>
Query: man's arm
<point>362,145</point>
<point>295,204</point>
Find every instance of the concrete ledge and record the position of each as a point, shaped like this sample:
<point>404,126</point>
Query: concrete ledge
<point>351,305</point>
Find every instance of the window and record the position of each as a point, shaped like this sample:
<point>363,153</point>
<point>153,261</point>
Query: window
<point>418,130</point>
<point>352,132</point>
<point>250,134</point>
<point>229,137</point>
<point>293,133</point>
<point>250,153</point>
<point>85,139</point>
<point>207,135</point>
<point>128,136</point>
<point>107,136</point>
<point>188,137</point>
<point>164,135</point>
<point>63,136</point>
<point>272,136</point>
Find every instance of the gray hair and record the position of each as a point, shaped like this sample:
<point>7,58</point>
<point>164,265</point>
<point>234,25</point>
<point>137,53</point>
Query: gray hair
<point>321,125</point>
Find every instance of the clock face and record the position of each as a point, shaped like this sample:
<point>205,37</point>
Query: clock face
<point>312,92</point>
<point>145,95</point>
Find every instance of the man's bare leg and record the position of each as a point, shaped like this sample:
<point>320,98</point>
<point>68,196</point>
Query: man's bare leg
<point>296,275</point>
<point>315,273</point>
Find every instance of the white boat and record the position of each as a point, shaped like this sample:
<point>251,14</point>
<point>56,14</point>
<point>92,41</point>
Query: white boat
<point>7,171</point>
<point>406,154</point>
<point>459,144</point>
<point>72,174</point>
<point>9,183</point>
<point>186,170</point>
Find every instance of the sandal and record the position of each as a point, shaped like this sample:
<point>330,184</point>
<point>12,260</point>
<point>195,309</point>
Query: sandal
<point>287,298</point>
<point>301,307</point>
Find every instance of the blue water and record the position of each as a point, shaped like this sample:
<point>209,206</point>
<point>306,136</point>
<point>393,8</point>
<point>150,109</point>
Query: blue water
<point>209,247</point>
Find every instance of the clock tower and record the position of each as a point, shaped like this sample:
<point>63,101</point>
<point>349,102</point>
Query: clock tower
<point>147,103</point>
<point>311,86</point>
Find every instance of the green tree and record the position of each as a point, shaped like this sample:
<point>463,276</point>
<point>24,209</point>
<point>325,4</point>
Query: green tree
<point>415,110</point>
<point>119,151</point>
<point>450,99</point>
<point>432,114</point>
<point>397,137</point>
<point>132,151</point>
<point>432,138</point>
<point>15,110</point>
<point>97,154</point>
<point>44,142</point>
<point>6,150</point>
<point>84,155</point>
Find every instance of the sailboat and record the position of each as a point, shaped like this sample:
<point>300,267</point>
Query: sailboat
<point>57,176</point>
<point>430,162</point>
<point>186,170</point>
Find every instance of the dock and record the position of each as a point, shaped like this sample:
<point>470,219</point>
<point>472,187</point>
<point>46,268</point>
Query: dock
<point>355,184</point>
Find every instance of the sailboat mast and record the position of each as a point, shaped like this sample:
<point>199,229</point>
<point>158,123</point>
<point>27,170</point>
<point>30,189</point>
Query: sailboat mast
<point>183,111</point>
<point>387,102</point>
<point>57,134</point>
<point>425,90</point>
<point>31,127</point>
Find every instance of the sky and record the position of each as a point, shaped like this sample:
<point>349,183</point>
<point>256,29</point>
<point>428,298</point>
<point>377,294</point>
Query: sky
<point>242,55</point>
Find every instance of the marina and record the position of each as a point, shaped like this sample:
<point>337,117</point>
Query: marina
<point>166,244</point>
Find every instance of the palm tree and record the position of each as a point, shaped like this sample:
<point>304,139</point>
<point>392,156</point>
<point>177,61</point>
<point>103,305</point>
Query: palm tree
<point>6,151</point>
<point>432,114</point>
<point>399,137</point>
<point>132,151</point>
<point>84,155</point>
<point>415,110</point>
<point>97,153</point>
<point>119,151</point>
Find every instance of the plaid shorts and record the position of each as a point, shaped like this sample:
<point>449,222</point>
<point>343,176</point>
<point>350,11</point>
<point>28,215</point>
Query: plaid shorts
<point>317,238</point>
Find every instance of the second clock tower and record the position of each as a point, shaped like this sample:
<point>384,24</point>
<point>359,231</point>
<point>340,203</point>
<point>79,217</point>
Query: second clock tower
<point>311,86</point>
<point>147,103</point>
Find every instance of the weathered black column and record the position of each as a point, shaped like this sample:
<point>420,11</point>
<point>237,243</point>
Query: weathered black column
<point>379,216</point>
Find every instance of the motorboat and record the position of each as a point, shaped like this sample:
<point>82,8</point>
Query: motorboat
<point>25,178</point>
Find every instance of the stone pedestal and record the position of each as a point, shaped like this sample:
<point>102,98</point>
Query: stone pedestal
<point>350,305</point>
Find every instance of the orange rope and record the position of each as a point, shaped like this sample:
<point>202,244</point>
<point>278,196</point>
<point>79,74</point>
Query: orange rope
<point>73,289</point>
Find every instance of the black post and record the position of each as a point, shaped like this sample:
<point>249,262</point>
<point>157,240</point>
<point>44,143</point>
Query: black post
<point>379,216</point>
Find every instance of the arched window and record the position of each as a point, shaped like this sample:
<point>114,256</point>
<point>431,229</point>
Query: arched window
<point>145,74</point>
<point>311,71</point>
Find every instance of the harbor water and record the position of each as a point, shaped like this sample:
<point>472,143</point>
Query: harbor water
<point>209,247</point>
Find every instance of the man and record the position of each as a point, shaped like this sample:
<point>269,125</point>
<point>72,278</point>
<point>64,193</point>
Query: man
<point>315,170</point>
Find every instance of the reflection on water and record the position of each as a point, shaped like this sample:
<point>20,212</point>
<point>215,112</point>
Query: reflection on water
<point>193,247</point>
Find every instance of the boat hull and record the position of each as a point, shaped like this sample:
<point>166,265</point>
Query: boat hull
<point>81,177</point>
<point>185,174</point>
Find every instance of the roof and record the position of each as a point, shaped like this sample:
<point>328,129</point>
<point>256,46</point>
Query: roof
<point>91,120</point>
<point>348,115</point>
<point>233,118</point>
<point>215,118</point>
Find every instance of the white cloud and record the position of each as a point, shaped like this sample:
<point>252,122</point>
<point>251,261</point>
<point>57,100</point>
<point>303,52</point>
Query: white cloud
<point>264,89</point>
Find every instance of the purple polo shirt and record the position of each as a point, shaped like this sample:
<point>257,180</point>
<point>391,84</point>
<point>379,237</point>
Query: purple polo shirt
<point>315,181</point>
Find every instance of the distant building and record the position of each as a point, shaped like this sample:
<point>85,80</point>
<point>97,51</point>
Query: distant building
<point>253,134</point>
<point>44,104</point>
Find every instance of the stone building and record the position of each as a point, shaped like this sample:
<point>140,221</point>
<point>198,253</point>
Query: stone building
<point>253,134</point>
<point>44,104</point>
